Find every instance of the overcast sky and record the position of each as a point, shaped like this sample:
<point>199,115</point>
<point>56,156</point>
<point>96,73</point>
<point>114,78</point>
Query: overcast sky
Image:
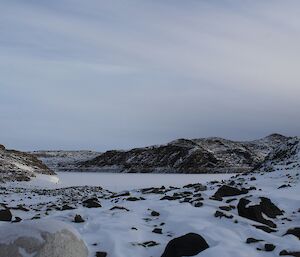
<point>101,74</point>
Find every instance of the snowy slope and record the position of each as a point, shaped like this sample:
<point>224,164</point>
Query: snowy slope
<point>64,160</point>
<point>124,224</point>
<point>20,166</point>
<point>206,155</point>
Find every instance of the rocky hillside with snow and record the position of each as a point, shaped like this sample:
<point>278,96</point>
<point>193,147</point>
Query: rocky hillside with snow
<point>206,155</point>
<point>20,166</point>
<point>251,214</point>
<point>64,160</point>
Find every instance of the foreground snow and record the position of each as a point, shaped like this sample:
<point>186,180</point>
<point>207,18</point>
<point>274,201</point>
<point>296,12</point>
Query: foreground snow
<point>121,232</point>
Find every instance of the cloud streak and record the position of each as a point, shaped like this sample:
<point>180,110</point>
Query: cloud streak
<point>121,74</point>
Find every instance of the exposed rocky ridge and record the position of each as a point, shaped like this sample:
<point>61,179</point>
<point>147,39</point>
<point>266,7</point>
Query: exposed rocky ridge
<point>20,166</point>
<point>64,160</point>
<point>205,155</point>
<point>286,156</point>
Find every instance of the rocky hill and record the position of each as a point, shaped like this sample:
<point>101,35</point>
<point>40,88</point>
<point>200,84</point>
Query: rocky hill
<point>286,156</point>
<point>20,166</point>
<point>205,155</point>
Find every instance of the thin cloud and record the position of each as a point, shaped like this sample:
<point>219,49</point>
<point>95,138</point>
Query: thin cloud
<point>128,73</point>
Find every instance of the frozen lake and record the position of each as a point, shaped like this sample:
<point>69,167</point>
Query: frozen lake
<point>117,181</point>
<point>121,181</point>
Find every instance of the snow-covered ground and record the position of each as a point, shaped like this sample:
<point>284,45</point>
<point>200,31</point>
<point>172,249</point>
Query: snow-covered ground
<point>121,232</point>
<point>261,208</point>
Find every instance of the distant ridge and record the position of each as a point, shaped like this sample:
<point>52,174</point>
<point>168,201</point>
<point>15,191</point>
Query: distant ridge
<point>203,155</point>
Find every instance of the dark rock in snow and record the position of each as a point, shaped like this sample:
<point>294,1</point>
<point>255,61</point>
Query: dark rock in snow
<point>155,213</point>
<point>157,231</point>
<point>78,219</point>
<point>188,245</point>
<point>268,208</point>
<point>133,199</point>
<point>252,240</point>
<point>255,212</point>
<point>17,219</point>
<point>101,254</point>
<point>147,244</point>
<point>198,204</point>
<point>118,208</point>
<point>219,214</point>
<point>225,191</point>
<point>269,247</point>
<point>294,231</point>
<point>67,207</point>
<point>265,228</point>
<point>91,203</point>
<point>5,215</point>
<point>288,253</point>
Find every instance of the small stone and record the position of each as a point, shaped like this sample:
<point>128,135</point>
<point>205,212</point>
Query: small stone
<point>157,231</point>
<point>252,240</point>
<point>101,254</point>
<point>269,247</point>
<point>155,213</point>
<point>78,219</point>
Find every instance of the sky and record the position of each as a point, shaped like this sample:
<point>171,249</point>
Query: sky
<point>102,75</point>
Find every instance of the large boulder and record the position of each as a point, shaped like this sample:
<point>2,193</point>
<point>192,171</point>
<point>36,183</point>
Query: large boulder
<point>40,239</point>
<point>225,191</point>
<point>188,245</point>
<point>5,215</point>
<point>259,212</point>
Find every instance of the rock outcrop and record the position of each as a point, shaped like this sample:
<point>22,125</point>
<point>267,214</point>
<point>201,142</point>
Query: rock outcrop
<point>20,166</point>
<point>207,155</point>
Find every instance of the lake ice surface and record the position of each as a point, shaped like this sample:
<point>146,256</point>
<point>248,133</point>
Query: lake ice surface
<point>129,181</point>
<point>118,181</point>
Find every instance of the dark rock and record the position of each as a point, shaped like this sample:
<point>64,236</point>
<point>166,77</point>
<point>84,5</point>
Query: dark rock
<point>265,228</point>
<point>252,240</point>
<point>170,198</point>
<point>133,199</point>
<point>118,208</point>
<point>67,207</point>
<point>188,245</point>
<point>269,208</point>
<point>285,253</point>
<point>269,247</point>
<point>5,215</point>
<point>198,204</point>
<point>284,186</point>
<point>17,219</point>
<point>255,212</point>
<point>126,193</point>
<point>78,219</point>
<point>101,254</point>
<point>219,214</point>
<point>155,213</point>
<point>227,208</point>
<point>20,208</point>
<point>157,231</point>
<point>225,191</point>
<point>231,200</point>
<point>294,231</point>
<point>148,244</point>
<point>91,203</point>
